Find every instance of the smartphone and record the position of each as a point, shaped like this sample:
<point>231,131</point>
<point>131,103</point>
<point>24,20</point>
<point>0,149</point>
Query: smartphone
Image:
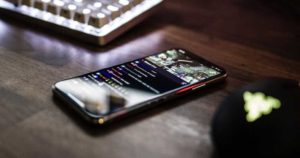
<point>112,93</point>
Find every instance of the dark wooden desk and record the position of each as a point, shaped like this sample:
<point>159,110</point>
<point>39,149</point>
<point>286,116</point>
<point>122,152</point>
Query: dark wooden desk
<point>251,39</point>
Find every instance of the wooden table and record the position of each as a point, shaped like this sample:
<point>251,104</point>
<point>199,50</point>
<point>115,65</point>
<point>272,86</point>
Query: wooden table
<point>251,39</point>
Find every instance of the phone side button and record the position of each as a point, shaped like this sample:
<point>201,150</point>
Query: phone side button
<point>190,88</point>
<point>202,85</point>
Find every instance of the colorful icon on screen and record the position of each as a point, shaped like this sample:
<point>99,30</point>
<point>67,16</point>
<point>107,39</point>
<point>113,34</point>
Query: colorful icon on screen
<point>258,104</point>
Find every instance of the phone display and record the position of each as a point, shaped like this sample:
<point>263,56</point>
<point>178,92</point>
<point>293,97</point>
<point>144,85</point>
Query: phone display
<point>111,92</point>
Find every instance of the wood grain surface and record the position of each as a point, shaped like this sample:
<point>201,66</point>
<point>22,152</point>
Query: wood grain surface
<point>250,39</point>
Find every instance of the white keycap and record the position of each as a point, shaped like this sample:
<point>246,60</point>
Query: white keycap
<point>97,5</point>
<point>98,19</point>
<point>29,3</point>
<point>55,6</point>
<point>82,15</point>
<point>41,4</point>
<point>68,11</point>
<point>114,11</point>
<point>125,5</point>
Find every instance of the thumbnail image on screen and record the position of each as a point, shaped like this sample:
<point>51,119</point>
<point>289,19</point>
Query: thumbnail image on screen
<point>182,66</point>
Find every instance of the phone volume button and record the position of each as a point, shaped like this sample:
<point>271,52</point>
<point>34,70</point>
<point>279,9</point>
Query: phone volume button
<point>202,85</point>
<point>193,87</point>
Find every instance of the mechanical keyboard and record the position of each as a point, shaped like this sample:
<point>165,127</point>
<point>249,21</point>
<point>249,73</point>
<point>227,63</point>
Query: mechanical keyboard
<point>95,21</point>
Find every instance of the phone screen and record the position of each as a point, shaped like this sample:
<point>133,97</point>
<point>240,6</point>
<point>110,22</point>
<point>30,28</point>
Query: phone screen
<point>124,86</point>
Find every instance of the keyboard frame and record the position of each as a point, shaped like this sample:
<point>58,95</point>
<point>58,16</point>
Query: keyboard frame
<point>99,36</point>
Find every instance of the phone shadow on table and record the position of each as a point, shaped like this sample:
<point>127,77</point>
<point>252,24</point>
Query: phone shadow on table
<point>96,131</point>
